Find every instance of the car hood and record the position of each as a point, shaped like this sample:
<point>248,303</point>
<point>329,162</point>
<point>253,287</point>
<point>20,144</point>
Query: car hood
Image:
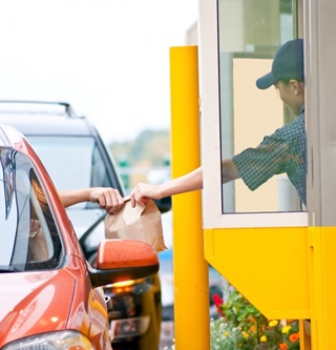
<point>34,302</point>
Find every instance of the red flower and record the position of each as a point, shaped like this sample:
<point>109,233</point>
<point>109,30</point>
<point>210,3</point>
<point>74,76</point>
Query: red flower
<point>218,301</point>
<point>253,329</point>
<point>283,346</point>
<point>294,337</point>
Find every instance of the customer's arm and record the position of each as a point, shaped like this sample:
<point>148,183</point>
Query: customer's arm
<point>108,198</point>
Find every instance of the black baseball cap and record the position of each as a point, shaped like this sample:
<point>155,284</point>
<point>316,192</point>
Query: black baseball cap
<point>287,64</point>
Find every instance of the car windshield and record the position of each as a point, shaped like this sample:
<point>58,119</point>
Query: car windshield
<point>72,162</point>
<point>29,238</point>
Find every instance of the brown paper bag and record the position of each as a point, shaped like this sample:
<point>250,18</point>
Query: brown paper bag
<point>139,223</point>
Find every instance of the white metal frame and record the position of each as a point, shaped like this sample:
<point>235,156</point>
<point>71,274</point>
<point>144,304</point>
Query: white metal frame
<point>320,74</point>
<point>209,86</point>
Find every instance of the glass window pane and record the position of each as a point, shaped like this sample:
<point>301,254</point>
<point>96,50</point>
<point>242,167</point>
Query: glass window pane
<point>72,163</point>
<point>30,239</point>
<point>250,33</point>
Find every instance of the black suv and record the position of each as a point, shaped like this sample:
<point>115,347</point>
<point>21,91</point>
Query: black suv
<point>75,156</point>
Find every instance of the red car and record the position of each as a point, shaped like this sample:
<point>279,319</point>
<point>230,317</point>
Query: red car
<point>50,297</point>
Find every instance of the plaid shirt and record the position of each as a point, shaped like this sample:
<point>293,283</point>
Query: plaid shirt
<point>282,152</point>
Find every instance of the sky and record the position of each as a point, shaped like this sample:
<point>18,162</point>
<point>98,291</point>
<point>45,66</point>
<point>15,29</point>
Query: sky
<point>110,58</point>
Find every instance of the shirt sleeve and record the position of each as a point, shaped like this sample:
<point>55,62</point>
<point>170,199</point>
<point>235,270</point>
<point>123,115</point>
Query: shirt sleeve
<point>257,165</point>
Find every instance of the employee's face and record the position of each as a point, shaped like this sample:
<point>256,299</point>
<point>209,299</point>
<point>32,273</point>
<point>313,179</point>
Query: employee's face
<point>290,94</point>
<point>285,91</point>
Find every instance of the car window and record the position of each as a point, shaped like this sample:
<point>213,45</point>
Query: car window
<point>72,162</point>
<point>29,237</point>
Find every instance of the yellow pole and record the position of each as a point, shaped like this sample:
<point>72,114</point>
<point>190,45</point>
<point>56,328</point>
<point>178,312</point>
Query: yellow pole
<point>322,242</point>
<point>191,284</point>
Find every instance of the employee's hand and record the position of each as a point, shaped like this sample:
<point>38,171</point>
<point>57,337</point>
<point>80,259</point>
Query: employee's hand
<point>143,193</point>
<point>108,198</point>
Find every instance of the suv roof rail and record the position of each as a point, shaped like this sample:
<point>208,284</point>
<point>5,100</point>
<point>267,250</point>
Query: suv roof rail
<point>69,109</point>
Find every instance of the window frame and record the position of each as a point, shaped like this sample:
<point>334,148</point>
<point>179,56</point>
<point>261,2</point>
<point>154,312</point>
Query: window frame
<point>211,143</point>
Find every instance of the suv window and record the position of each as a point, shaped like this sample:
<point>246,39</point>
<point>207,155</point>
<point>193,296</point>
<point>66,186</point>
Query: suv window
<point>29,238</point>
<point>72,162</point>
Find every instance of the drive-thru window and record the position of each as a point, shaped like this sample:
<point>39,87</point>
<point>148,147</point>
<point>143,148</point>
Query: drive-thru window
<point>276,220</point>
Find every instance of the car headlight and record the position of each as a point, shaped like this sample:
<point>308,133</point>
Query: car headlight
<point>62,340</point>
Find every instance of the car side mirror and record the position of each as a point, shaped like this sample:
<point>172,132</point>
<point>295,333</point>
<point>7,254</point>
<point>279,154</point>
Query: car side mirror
<point>163,204</point>
<point>120,260</point>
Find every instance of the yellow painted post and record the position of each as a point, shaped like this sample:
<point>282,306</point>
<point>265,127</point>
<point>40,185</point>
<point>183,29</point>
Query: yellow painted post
<point>322,242</point>
<point>191,284</point>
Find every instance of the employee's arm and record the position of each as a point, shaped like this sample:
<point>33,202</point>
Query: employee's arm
<point>192,181</point>
<point>229,171</point>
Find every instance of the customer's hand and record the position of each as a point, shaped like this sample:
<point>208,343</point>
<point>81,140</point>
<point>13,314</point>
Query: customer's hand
<point>38,249</point>
<point>108,198</point>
